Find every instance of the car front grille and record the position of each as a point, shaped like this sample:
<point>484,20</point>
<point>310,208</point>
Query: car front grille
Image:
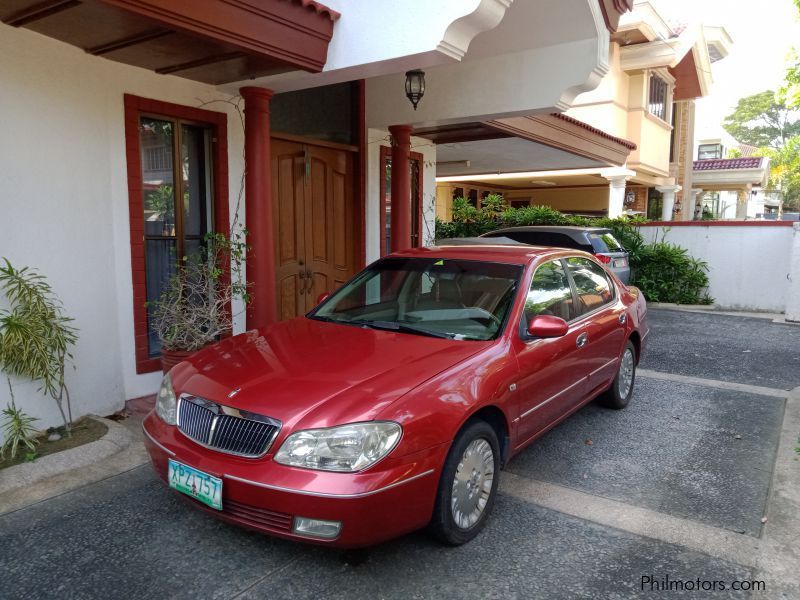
<point>224,428</point>
<point>256,516</point>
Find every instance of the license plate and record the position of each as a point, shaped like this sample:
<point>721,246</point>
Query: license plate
<point>200,486</point>
<point>620,262</point>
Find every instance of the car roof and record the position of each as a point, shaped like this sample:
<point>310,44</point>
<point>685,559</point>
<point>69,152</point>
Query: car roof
<point>551,228</point>
<point>521,254</point>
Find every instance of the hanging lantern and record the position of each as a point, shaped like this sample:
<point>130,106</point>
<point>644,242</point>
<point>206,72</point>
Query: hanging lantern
<point>415,86</point>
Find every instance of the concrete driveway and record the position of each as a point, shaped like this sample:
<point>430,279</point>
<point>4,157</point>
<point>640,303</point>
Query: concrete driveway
<point>610,504</point>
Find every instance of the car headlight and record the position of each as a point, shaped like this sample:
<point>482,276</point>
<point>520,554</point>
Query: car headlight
<point>166,403</point>
<point>346,448</point>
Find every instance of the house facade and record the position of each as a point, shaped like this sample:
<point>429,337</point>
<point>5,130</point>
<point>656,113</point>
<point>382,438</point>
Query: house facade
<point>646,100</point>
<point>729,181</point>
<point>134,127</point>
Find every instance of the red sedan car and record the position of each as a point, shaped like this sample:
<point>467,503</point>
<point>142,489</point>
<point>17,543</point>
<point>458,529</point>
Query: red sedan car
<point>394,404</point>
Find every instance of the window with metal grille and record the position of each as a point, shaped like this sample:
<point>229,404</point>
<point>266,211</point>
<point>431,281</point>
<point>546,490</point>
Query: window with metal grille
<point>657,101</point>
<point>709,151</point>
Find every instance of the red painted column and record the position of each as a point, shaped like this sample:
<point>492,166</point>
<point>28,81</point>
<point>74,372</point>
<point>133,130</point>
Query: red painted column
<point>260,265</point>
<point>401,187</point>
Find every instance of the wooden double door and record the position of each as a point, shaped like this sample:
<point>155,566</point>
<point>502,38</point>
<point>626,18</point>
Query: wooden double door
<point>314,221</point>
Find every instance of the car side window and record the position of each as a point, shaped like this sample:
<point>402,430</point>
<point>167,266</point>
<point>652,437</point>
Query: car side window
<point>592,284</point>
<point>550,293</point>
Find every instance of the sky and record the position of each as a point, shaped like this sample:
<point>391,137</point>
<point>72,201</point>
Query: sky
<point>763,33</point>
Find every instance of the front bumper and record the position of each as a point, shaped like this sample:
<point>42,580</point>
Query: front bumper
<point>393,498</point>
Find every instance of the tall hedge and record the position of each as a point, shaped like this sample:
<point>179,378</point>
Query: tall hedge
<point>664,272</point>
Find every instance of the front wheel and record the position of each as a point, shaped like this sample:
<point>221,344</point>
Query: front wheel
<point>619,394</point>
<point>468,485</point>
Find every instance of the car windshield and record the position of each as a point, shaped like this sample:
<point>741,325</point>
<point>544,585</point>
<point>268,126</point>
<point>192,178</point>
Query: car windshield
<point>605,242</point>
<point>437,297</point>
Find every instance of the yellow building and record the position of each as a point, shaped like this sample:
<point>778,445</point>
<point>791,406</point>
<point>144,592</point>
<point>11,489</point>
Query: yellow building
<point>656,71</point>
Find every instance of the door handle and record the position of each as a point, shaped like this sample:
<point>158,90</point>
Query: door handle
<point>310,281</point>
<point>582,340</point>
<point>623,318</point>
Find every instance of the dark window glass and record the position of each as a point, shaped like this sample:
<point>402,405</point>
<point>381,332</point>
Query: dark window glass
<point>327,112</point>
<point>176,177</point>
<point>657,104</point>
<point>545,238</point>
<point>592,284</point>
<point>654,204</point>
<point>550,293</point>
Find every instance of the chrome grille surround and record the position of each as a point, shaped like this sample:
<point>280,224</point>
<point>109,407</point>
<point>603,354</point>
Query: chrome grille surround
<point>225,428</point>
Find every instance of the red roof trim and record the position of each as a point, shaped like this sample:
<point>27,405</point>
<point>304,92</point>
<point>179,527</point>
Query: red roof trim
<point>627,143</point>
<point>612,10</point>
<point>320,9</point>
<point>724,164</point>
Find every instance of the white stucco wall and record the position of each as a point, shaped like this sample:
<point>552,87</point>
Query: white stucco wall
<point>749,265</point>
<point>64,201</point>
<point>375,139</point>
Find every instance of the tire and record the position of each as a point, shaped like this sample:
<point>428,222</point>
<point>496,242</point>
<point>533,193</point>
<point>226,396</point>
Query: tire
<point>475,453</point>
<point>617,396</point>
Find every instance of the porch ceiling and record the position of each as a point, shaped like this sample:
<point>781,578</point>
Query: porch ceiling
<point>204,40</point>
<point>545,180</point>
<point>505,155</point>
<point>532,143</point>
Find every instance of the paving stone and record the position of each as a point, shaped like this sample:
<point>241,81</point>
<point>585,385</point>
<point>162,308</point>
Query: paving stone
<point>129,537</point>
<point>725,347</point>
<point>673,449</point>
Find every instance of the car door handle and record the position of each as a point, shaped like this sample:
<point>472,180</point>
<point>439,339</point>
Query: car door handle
<point>623,318</point>
<point>582,340</point>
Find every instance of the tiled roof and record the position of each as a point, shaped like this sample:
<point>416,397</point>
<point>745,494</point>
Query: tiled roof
<point>627,143</point>
<point>319,8</point>
<point>715,164</point>
<point>747,150</point>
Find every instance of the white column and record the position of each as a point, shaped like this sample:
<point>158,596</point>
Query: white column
<point>694,193</point>
<point>742,198</point>
<point>616,177</point>
<point>668,200</point>
<point>793,300</point>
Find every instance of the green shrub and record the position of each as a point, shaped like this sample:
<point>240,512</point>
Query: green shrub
<point>18,432</point>
<point>664,272</point>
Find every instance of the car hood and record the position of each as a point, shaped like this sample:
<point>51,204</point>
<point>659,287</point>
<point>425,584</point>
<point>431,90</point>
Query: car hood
<point>317,373</point>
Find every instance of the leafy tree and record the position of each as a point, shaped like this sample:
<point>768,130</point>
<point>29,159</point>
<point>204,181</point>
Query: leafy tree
<point>785,171</point>
<point>763,120</point>
<point>791,91</point>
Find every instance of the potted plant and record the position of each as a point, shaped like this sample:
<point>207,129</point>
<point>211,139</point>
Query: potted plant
<point>35,343</point>
<point>194,310</point>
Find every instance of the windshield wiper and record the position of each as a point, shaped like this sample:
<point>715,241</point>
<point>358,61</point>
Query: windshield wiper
<point>395,326</point>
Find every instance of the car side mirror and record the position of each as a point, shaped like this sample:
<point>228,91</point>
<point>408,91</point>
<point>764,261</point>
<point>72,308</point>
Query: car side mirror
<point>547,326</point>
<point>322,297</point>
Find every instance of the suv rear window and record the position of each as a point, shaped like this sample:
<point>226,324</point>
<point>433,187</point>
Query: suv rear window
<point>544,238</point>
<point>605,242</point>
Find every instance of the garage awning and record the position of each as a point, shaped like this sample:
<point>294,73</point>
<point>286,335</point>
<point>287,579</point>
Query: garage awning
<point>528,143</point>
<point>212,41</point>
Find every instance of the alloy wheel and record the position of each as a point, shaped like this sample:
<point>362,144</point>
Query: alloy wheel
<point>472,484</point>
<point>625,378</point>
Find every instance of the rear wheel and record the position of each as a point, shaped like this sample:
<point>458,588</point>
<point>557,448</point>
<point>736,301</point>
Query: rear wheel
<point>468,485</point>
<point>619,394</point>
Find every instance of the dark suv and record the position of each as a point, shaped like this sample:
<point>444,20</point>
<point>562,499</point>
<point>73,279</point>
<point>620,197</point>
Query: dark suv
<point>599,241</point>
